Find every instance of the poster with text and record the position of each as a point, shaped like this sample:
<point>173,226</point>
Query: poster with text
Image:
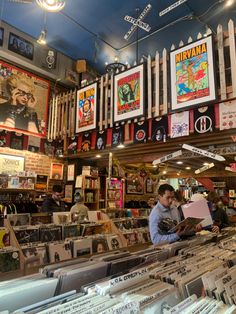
<point>56,171</point>
<point>23,101</point>
<point>192,74</point>
<point>128,94</point>
<point>86,111</point>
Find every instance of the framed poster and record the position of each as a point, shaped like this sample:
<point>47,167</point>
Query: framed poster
<point>71,172</point>
<point>56,171</point>
<point>192,74</point>
<point>21,46</point>
<point>11,165</point>
<point>129,94</point>
<point>24,101</point>
<point>86,110</point>
<point>1,35</point>
<point>134,184</point>
<point>68,193</point>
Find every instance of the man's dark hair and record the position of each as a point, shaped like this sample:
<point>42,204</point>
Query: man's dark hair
<point>57,188</point>
<point>165,187</point>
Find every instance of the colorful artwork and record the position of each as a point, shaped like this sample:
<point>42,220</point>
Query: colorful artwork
<point>86,108</point>
<point>192,74</point>
<point>56,171</point>
<point>128,96</point>
<point>134,184</point>
<point>23,101</point>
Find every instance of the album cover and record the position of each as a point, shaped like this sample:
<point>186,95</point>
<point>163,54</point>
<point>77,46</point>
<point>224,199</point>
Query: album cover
<point>195,287</point>
<point>89,229</point>
<point>26,234</point>
<point>16,141</point>
<point>99,245</point>
<point>190,222</point>
<point>114,242</point>
<point>82,247</point>
<point>140,132</point>
<point>50,233</point>
<point>131,238</point>
<point>100,140</point>
<point>36,255</point>
<point>70,231</point>
<point>9,260</point>
<point>59,251</point>
<point>4,237</point>
<point>59,218</point>
<point>123,264</point>
<point>19,219</point>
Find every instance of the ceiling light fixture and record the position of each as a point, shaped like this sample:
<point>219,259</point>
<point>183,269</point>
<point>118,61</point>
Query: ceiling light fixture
<point>114,66</point>
<point>179,162</point>
<point>188,168</point>
<point>42,37</point>
<point>229,3</point>
<point>51,5</point>
<point>98,156</point>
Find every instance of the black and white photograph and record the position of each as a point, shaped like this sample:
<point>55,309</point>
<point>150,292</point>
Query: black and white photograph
<point>21,46</point>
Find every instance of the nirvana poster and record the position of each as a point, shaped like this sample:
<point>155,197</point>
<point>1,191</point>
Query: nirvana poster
<point>86,108</point>
<point>128,94</point>
<point>192,74</point>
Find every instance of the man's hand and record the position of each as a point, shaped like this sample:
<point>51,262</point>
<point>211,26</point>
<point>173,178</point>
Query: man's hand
<point>215,229</point>
<point>198,228</point>
<point>183,231</point>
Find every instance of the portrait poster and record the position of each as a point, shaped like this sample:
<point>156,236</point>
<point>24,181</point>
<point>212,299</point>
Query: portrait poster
<point>21,46</point>
<point>11,165</point>
<point>134,184</point>
<point>1,35</point>
<point>23,101</point>
<point>86,110</point>
<point>129,94</point>
<point>56,171</point>
<point>192,74</point>
<point>71,172</point>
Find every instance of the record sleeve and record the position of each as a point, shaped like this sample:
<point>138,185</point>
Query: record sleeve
<point>99,245</point>
<point>114,242</point>
<point>4,237</point>
<point>26,234</point>
<point>59,218</point>
<point>59,251</point>
<point>50,233</point>
<point>82,247</point>
<point>9,260</point>
<point>36,255</point>
<point>19,219</point>
<point>71,230</point>
<point>190,222</point>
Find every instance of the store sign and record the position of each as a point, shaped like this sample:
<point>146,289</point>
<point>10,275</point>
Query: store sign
<point>204,168</point>
<point>167,157</point>
<point>203,152</point>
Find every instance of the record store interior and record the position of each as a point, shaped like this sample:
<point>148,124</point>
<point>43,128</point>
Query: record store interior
<point>117,156</point>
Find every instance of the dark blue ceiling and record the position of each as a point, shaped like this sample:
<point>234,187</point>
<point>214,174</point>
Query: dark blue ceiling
<point>94,29</point>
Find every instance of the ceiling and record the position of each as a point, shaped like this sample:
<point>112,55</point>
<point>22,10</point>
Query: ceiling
<point>94,29</point>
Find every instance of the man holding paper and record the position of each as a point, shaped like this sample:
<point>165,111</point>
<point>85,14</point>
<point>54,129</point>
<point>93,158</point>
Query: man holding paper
<point>163,212</point>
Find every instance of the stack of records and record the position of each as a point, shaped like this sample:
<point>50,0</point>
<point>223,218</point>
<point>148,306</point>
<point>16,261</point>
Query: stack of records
<point>82,246</point>
<point>70,230</point>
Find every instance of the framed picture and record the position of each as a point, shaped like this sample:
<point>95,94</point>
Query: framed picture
<point>134,184</point>
<point>192,74</point>
<point>11,165</point>
<point>21,46</point>
<point>86,110</point>
<point>149,185</point>
<point>129,94</point>
<point>24,101</point>
<point>1,35</point>
<point>71,172</point>
<point>68,193</point>
<point>56,171</point>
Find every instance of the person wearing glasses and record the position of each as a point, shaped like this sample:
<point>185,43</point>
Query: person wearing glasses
<point>54,203</point>
<point>162,218</point>
<point>18,112</point>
